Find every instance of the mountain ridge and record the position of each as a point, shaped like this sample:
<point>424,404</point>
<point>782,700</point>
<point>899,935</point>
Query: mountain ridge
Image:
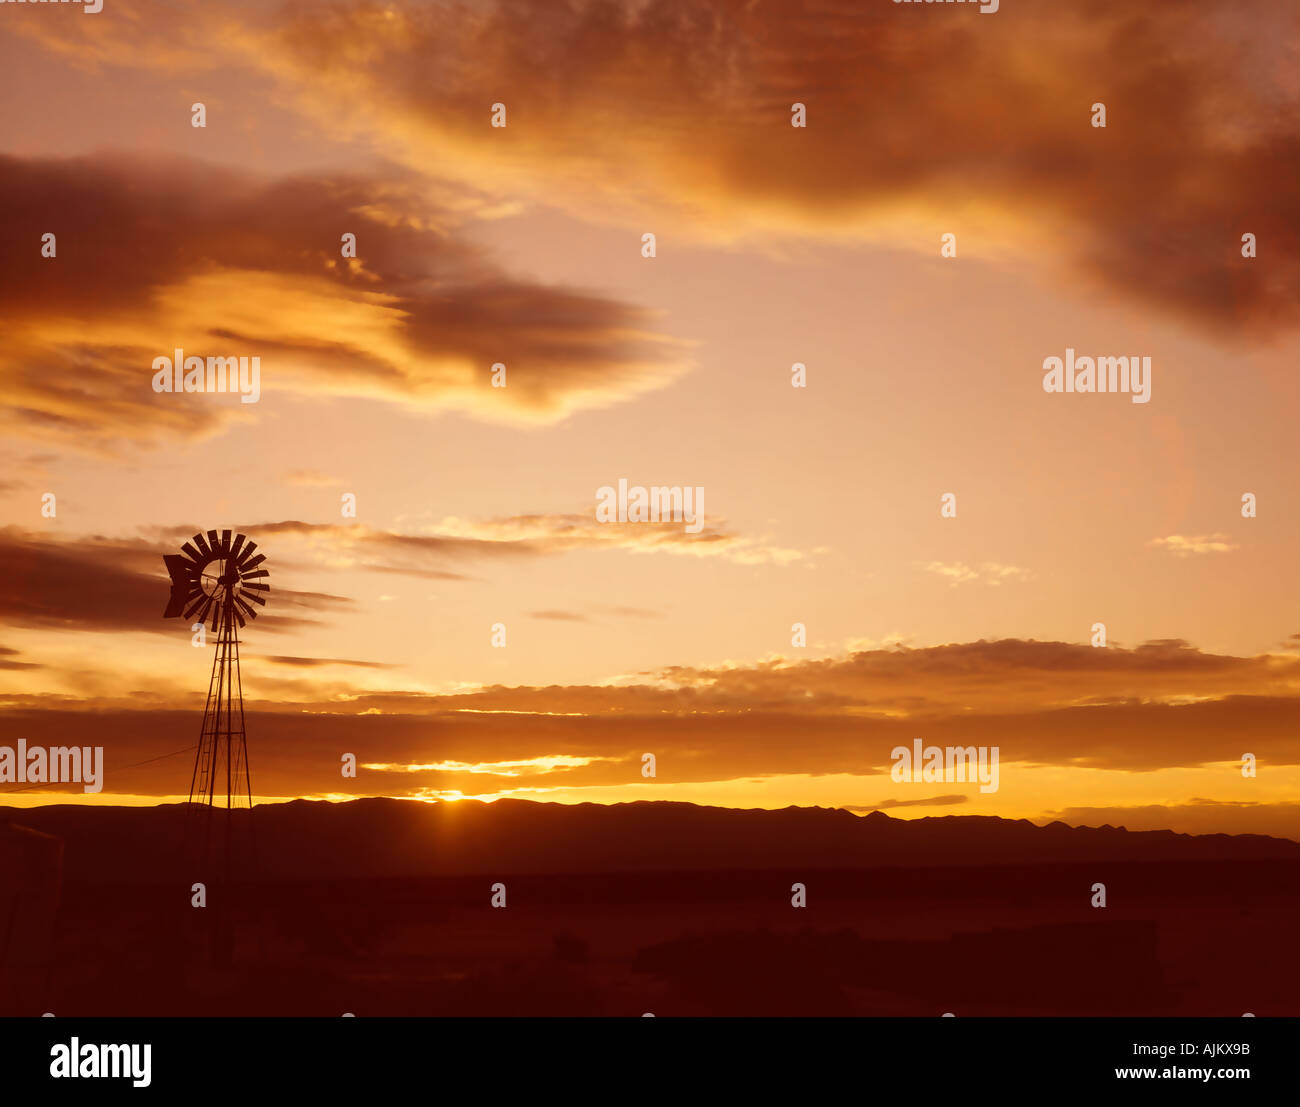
<point>310,839</point>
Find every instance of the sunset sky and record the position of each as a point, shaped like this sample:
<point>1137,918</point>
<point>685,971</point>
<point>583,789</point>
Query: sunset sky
<point>774,245</point>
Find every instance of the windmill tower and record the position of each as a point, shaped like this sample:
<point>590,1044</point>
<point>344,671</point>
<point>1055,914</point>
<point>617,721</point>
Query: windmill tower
<point>217,582</point>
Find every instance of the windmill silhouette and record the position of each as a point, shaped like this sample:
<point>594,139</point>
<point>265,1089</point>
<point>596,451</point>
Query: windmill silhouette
<point>218,582</point>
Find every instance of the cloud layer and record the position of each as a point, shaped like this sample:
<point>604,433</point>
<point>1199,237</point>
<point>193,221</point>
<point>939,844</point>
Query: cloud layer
<point>921,119</point>
<point>1045,704</point>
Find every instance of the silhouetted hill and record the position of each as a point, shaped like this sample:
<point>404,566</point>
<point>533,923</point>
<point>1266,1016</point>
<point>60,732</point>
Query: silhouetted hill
<point>384,837</point>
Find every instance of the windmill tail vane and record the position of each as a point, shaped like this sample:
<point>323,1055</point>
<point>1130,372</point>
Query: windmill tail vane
<point>219,581</point>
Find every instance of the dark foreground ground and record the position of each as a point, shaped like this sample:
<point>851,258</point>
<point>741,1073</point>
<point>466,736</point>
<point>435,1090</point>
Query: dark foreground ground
<point>1194,938</point>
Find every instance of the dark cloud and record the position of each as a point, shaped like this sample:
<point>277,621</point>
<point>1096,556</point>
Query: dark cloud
<point>318,662</point>
<point>103,584</point>
<point>921,119</point>
<point>418,318</point>
<point>932,801</point>
<point>9,660</point>
<point>950,117</point>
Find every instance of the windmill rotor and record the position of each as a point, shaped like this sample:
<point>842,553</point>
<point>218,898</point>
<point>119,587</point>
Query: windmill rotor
<point>215,576</point>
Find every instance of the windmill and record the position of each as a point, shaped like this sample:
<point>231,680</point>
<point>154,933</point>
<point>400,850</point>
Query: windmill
<point>220,583</point>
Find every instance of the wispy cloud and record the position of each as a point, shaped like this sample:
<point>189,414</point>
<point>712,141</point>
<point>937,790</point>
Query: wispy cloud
<point>990,572</point>
<point>309,478</point>
<point>1186,545</point>
<point>546,763</point>
<point>321,662</point>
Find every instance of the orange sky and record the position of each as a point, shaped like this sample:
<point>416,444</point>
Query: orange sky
<point>775,245</point>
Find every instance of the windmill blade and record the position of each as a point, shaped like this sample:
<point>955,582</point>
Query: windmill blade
<point>255,598</point>
<point>191,552</point>
<point>225,543</point>
<point>255,587</point>
<point>214,542</point>
<point>257,575</point>
<point>254,563</point>
<point>202,544</point>
<point>197,602</point>
<point>207,611</point>
<point>242,606</point>
<point>234,550</point>
<point>248,553</point>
